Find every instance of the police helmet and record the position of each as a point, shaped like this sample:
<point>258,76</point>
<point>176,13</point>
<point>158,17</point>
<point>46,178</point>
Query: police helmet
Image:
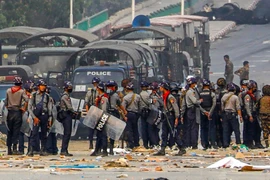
<point>154,85</point>
<point>41,82</point>
<point>174,86</point>
<point>266,90</point>
<point>111,83</point>
<point>68,85</point>
<point>95,80</point>
<point>27,87</point>
<point>191,80</point>
<point>221,82</point>
<point>130,86</point>
<point>254,83</point>
<point>165,85</point>
<point>101,85</point>
<point>251,84</point>
<point>17,80</point>
<point>244,82</point>
<point>144,84</point>
<point>231,87</point>
<point>189,77</point>
<point>206,82</point>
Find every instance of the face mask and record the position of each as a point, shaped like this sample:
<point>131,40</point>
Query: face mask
<point>255,90</point>
<point>109,91</point>
<point>69,90</point>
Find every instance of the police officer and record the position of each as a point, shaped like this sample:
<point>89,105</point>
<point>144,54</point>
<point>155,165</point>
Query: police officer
<point>243,72</point>
<point>66,106</point>
<point>208,129</point>
<point>114,105</point>
<point>169,125</point>
<point>252,124</point>
<point>131,103</point>
<point>242,94</point>
<point>158,103</point>
<point>145,102</point>
<point>264,113</point>
<point>231,108</point>
<point>228,69</point>
<point>220,91</point>
<point>40,108</point>
<point>90,101</point>
<point>101,102</point>
<point>189,105</point>
<point>13,103</point>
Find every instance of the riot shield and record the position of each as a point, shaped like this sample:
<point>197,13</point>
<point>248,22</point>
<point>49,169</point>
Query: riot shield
<point>96,119</point>
<point>75,103</point>
<point>59,129</point>
<point>155,116</point>
<point>4,116</point>
<point>25,128</point>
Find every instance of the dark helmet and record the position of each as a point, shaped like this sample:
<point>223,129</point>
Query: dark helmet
<point>95,80</point>
<point>231,87</point>
<point>111,83</point>
<point>68,85</point>
<point>154,86</point>
<point>221,82</point>
<point>266,90</point>
<point>28,87</point>
<point>206,82</point>
<point>35,87</point>
<point>49,89</point>
<point>251,84</point>
<point>244,82</point>
<point>144,84</point>
<point>165,85</point>
<point>174,86</point>
<point>41,82</point>
<point>130,86</point>
<point>18,80</point>
<point>101,85</point>
<point>254,83</point>
<point>191,80</point>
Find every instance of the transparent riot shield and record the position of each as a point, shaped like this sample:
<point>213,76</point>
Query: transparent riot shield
<point>114,127</point>
<point>4,116</point>
<point>25,128</point>
<point>59,129</point>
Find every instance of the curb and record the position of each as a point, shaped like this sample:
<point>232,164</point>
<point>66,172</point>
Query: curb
<point>231,26</point>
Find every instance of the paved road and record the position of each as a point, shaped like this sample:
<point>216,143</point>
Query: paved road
<point>248,42</point>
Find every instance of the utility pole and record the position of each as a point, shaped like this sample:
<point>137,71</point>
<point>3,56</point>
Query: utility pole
<point>71,15</point>
<point>182,7</point>
<point>133,9</point>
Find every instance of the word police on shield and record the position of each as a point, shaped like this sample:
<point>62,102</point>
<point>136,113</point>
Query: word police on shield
<point>97,119</point>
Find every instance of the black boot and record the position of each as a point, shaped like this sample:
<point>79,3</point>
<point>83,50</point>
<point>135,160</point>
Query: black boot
<point>181,152</point>
<point>266,143</point>
<point>43,152</point>
<point>161,152</point>
<point>30,152</point>
<point>259,145</point>
<point>96,152</point>
<point>65,153</point>
<point>104,153</point>
<point>15,150</point>
<point>91,145</point>
<point>9,151</point>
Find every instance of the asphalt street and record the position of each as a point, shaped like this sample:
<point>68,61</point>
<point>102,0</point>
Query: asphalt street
<point>246,43</point>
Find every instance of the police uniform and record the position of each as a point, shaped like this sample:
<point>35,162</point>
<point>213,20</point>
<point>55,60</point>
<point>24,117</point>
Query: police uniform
<point>144,107</point>
<point>230,105</point>
<point>208,127</point>
<point>13,102</point>
<point>132,106</point>
<point>44,115</point>
<point>243,73</point>
<point>66,105</point>
<point>264,114</point>
<point>229,72</point>
<point>189,114</point>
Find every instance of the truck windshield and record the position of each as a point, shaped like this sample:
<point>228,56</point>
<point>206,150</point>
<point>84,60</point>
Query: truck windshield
<point>83,79</point>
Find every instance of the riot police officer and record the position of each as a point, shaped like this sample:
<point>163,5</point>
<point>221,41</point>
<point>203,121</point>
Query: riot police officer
<point>13,103</point>
<point>114,105</point>
<point>40,108</point>
<point>251,120</point>
<point>208,128</point>
<point>101,102</point>
<point>230,106</point>
<point>242,94</point>
<point>131,103</point>
<point>90,97</point>
<point>171,113</point>
<point>188,115</point>
<point>145,102</point>
<point>66,106</point>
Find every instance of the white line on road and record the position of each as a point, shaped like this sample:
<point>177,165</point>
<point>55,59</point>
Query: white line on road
<point>260,60</point>
<point>266,42</point>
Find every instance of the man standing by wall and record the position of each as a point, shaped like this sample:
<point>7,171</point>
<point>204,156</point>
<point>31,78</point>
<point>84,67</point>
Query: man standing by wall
<point>228,69</point>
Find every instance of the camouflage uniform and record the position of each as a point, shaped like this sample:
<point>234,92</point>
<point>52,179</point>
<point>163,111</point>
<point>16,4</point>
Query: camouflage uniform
<point>243,73</point>
<point>229,72</point>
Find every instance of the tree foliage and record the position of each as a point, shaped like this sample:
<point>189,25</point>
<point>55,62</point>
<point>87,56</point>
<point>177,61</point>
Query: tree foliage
<point>53,13</point>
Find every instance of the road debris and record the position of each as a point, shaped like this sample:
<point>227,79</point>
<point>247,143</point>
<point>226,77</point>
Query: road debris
<point>80,166</point>
<point>158,168</point>
<point>122,176</point>
<point>119,163</point>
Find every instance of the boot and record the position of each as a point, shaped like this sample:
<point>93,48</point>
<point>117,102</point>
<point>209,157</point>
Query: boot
<point>43,152</point>
<point>181,152</point>
<point>65,153</point>
<point>161,152</point>
<point>96,152</point>
<point>266,143</point>
<point>15,150</point>
<point>111,150</point>
<point>259,145</point>
<point>91,145</point>
<point>9,151</point>
<point>30,152</point>
<point>104,153</point>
